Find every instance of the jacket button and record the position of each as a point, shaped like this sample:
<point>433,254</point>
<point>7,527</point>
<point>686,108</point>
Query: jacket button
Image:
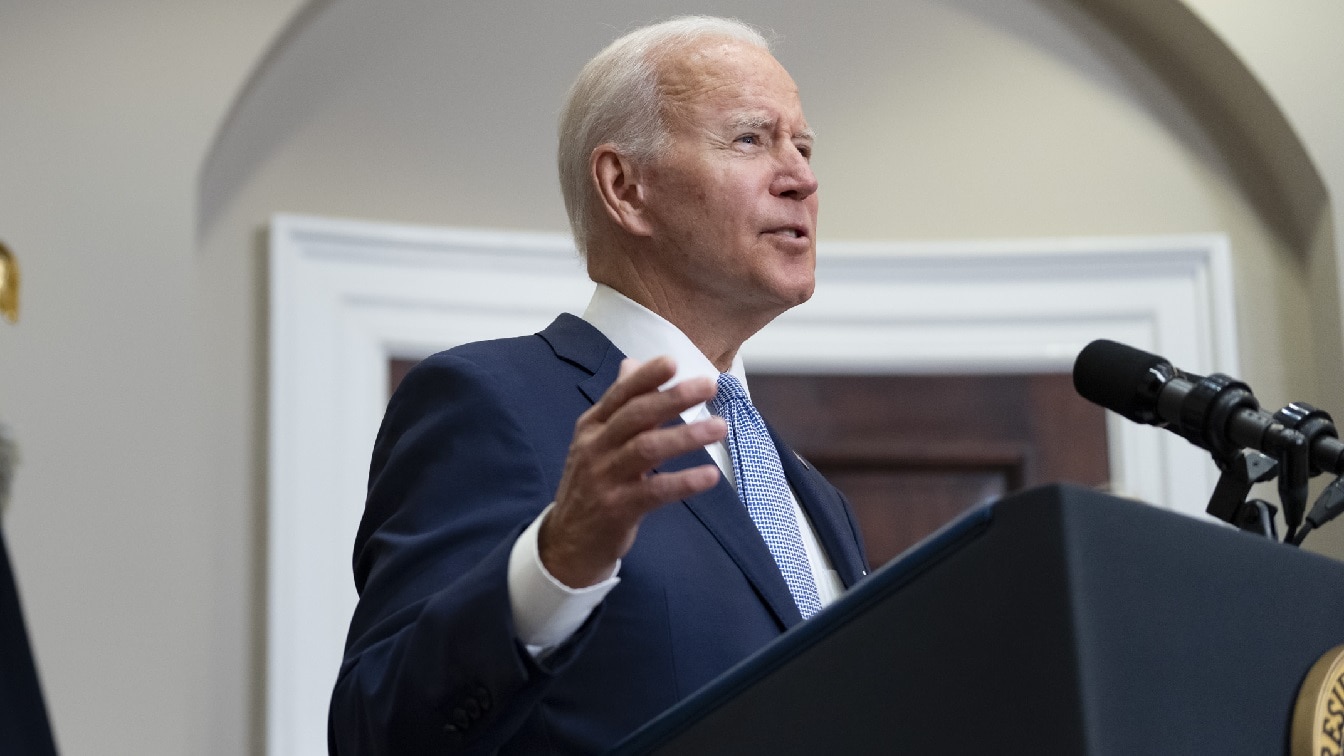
<point>459,718</point>
<point>473,708</point>
<point>483,698</point>
<point>451,729</point>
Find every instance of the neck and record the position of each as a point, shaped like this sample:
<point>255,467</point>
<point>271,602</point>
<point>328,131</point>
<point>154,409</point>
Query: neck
<point>716,327</point>
<point>716,335</point>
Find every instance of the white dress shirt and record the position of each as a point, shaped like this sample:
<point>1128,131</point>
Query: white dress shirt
<point>546,612</point>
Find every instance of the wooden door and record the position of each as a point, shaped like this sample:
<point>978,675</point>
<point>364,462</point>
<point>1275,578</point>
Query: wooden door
<point>912,452</point>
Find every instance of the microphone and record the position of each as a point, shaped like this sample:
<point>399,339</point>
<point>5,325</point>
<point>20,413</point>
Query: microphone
<point>1216,413</point>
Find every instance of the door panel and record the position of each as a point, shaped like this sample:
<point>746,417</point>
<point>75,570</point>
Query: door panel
<point>913,452</point>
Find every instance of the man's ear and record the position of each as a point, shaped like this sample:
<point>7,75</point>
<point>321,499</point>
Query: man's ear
<point>620,189</point>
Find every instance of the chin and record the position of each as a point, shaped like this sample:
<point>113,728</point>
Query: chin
<point>795,294</point>
<point>804,296</point>
<point>804,284</point>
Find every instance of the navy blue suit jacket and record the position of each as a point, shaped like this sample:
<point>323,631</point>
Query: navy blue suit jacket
<point>471,450</point>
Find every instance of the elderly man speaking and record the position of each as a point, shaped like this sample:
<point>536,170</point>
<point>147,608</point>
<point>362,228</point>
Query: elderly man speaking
<point>567,533</point>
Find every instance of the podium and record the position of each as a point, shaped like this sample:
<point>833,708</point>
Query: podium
<point>1056,621</point>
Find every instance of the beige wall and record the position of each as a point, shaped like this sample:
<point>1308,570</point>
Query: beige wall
<point>136,602</point>
<point>134,382</point>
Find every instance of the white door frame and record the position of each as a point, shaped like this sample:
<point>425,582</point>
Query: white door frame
<point>346,296</point>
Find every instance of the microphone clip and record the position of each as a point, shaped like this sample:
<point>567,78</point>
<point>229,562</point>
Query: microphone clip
<point>1229,503</point>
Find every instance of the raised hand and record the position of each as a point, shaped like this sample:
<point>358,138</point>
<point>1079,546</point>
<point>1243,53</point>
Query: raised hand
<point>607,486</point>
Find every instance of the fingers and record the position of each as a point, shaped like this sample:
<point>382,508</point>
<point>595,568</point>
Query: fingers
<point>681,484</point>
<point>579,545</point>
<point>628,366</point>
<point>646,450</point>
<point>606,488</point>
<point>633,379</point>
<point>627,433</point>
<point>635,499</point>
<point>654,409</point>
<point>623,434</point>
<point>635,404</point>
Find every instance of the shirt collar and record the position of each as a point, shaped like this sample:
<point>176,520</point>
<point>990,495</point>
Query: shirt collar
<point>643,334</point>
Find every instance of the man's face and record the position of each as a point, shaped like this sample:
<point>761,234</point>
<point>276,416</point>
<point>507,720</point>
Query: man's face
<point>733,201</point>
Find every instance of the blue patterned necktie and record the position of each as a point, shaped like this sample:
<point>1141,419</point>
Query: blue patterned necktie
<point>762,488</point>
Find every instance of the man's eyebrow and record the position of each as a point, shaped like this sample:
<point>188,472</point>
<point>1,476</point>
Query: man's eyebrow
<point>761,122</point>
<point>754,121</point>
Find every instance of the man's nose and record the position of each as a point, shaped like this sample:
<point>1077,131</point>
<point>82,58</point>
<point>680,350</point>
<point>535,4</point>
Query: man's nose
<point>794,179</point>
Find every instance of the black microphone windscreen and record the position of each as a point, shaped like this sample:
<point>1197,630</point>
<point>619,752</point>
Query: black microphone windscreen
<point>1110,373</point>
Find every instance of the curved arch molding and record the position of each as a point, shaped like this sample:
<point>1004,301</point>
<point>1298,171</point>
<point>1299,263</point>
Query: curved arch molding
<point>1268,158</point>
<point>1270,161</point>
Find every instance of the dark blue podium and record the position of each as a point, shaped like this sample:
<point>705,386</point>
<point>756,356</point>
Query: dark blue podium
<point>1056,621</point>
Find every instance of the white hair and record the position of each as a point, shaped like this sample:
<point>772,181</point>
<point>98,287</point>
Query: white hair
<point>616,100</point>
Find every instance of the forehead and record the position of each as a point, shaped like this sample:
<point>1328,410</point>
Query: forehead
<point>728,76</point>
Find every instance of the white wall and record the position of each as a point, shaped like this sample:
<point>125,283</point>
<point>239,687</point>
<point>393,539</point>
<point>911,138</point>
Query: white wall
<point>106,112</point>
<point>135,383</point>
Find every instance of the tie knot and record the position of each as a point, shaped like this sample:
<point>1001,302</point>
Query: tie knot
<point>730,391</point>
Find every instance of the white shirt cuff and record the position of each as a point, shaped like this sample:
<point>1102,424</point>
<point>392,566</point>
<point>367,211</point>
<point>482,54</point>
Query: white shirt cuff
<point>547,612</point>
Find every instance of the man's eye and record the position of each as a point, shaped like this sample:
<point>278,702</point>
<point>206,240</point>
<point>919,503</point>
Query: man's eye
<point>749,139</point>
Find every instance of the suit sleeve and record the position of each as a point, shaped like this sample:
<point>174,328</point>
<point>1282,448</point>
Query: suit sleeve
<point>432,663</point>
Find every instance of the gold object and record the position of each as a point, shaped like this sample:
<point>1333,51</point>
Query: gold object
<point>9,284</point>
<point>1318,715</point>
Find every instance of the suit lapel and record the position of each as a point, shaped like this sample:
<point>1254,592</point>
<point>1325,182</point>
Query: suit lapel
<point>826,510</point>
<point>723,514</point>
<point>718,509</point>
<point>575,341</point>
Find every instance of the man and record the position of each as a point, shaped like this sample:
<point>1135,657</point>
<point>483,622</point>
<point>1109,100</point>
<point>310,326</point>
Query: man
<point>555,546</point>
